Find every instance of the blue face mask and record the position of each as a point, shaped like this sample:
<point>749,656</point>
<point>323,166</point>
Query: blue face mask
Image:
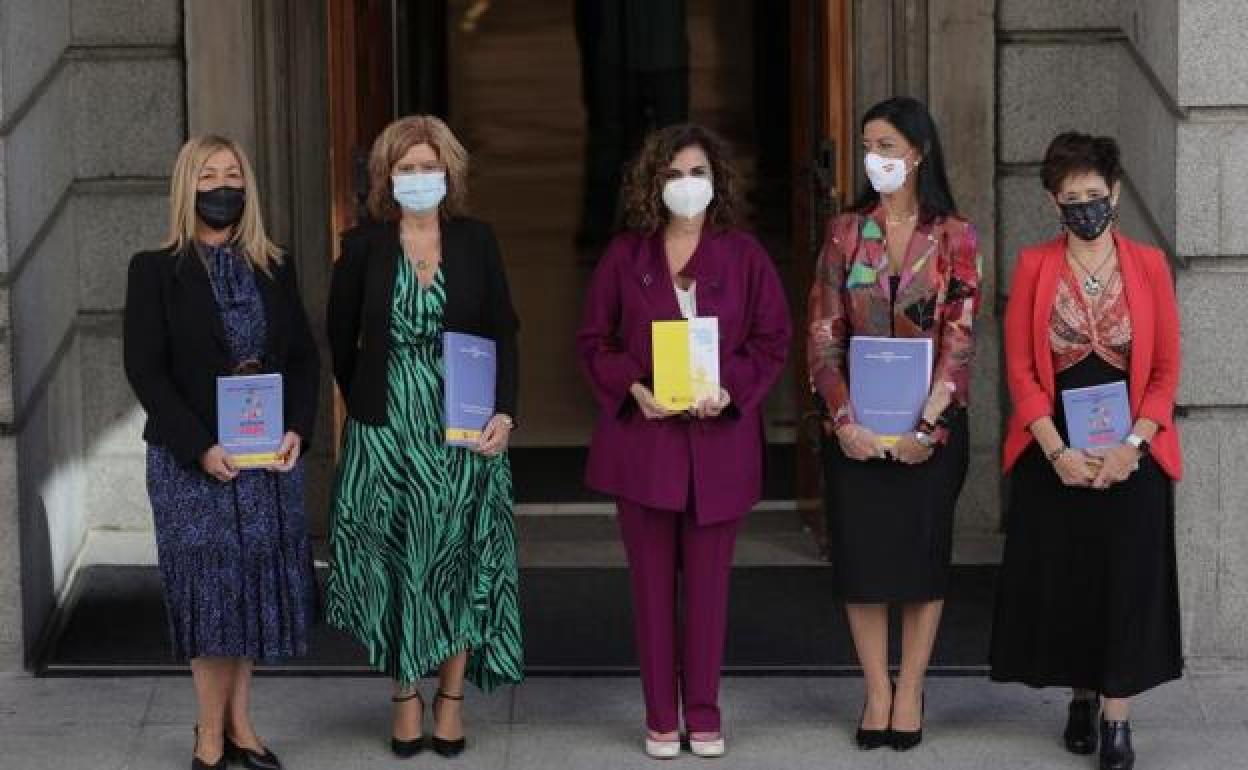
<point>419,192</point>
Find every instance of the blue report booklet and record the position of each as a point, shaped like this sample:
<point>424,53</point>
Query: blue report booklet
<point>249,419</point>
<point>1097,417</point>
<point>470,368</point>
<point>889,382</point>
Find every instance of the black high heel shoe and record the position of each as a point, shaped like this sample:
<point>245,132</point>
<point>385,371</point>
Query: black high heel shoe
<point>1116,750</point>
<point>252,760</point>
<point>408,749</point>
<point>872,739</point>
<point>904,740</point>
<point>443,747</point>
<point>1081,728</point>
<point>199,764</point>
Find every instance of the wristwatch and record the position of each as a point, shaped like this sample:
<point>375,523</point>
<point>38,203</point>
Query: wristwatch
<point>1139,443</point>
<point>924,438</point>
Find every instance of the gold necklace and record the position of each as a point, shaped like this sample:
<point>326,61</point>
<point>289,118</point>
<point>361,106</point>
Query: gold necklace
<point>892,220</point>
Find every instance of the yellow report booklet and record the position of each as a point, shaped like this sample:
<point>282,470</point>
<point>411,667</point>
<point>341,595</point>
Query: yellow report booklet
<point>686,361</point>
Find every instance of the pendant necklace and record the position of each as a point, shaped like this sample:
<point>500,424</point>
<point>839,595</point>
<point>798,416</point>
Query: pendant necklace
<point>1091,284</point>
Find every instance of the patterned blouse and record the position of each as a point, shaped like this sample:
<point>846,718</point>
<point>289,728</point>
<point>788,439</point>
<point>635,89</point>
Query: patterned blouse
<point>1079,326</point>
<point>937,297</point>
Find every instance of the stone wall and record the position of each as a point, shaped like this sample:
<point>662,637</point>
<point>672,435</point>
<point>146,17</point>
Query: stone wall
<point>92,104</point>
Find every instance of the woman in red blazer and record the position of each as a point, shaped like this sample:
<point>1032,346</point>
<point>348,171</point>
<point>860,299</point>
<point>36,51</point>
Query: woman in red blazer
<point>1088,593</point>
<point>683,481</point>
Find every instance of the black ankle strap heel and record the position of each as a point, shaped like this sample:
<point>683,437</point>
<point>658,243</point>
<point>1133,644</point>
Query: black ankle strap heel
<point>441,746</point>
<point>407,749</point>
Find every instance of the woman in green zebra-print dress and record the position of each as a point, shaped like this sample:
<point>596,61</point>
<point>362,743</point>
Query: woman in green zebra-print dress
<point>422,539</point>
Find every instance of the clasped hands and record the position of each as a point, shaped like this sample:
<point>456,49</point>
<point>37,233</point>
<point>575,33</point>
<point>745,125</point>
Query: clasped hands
<point>1077,468</point>
<point>862,444</point>
<point>217,463</point>
<point>651,409</point>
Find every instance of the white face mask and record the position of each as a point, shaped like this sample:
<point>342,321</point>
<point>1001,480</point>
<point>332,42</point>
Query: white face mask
<point>887,175</point>
<point>688,196</point>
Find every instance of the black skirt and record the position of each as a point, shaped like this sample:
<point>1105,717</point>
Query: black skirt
<point>1088,591</point>
<point>890,526</point>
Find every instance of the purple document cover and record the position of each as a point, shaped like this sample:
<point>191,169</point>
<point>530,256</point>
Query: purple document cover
<point>1097,417</point>
<point>249,418</point>
<point>470,370</point>
<point>889,381</point>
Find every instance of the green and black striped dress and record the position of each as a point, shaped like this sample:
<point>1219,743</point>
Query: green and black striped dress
<point>423,542</point>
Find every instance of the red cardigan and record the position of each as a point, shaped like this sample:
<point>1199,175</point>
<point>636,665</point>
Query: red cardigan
<point>1153,376</point>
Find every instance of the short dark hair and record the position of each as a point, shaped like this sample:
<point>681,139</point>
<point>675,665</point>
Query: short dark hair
<point>642,208</point>
<point>912,120</point>
<point>1077,153</point>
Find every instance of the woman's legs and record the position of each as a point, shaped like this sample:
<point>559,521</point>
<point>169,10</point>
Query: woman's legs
<point>409,712</point>
<point>214,678</point>
<point>239,726</point>
<point>706,564</point>
<point>448,713</point>
<point>1116,709</point>
<point>869,625</point>
<point>919,624</point>
<point>650,539</point>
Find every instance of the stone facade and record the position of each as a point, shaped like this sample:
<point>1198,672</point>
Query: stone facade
<point>92,106</point>
<point>96,95</point>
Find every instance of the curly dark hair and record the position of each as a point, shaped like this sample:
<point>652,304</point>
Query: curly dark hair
<point>1076,153</point>
<point>642,206</point>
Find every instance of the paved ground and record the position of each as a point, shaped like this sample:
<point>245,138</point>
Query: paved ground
<point>780,723</point>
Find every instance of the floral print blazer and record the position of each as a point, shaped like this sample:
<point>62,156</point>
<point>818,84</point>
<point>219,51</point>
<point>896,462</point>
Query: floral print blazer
<point>937,297</point>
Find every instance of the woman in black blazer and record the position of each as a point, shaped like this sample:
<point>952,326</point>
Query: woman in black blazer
<point>423,544</point>
<point>220,299</point>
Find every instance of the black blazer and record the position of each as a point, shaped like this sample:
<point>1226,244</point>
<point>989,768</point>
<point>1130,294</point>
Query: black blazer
<point>360,294</point>
<point>175,348</point>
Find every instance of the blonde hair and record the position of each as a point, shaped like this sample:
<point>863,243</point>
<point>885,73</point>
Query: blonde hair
<point>249,234</point>
<point>390,147</point>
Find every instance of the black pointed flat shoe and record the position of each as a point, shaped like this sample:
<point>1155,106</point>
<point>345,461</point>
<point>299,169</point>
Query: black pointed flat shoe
<point>441,746</point>
<point>1080,734</point>
<point>252,760</point>
<point>407,749</point>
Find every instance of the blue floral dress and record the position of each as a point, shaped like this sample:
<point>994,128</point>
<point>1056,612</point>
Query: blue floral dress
<point>234,557</point>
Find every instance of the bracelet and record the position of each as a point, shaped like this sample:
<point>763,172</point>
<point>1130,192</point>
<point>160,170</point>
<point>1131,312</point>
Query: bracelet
<point>1056,454</point>
<point>926,426</point>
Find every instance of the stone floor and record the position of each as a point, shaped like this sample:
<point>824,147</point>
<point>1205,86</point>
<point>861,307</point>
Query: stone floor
<point>780,723</point>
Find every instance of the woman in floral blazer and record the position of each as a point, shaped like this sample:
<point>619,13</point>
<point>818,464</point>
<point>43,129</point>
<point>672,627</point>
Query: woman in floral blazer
<point>901,263</point>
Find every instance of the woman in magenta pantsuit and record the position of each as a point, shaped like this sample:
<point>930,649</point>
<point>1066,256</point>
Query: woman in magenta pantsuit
<point>682,481</point>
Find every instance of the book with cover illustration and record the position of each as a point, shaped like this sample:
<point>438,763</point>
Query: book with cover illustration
<point>250,423</point>
<point>1097,417</point>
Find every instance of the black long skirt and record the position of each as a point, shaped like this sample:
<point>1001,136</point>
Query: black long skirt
<point>890,526</point>
<point>1088,590</point>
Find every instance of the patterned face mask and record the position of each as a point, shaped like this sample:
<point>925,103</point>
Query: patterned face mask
<point>1088,219</point>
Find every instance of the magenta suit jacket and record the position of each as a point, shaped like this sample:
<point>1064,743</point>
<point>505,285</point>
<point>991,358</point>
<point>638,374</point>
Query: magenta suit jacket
<point>657,463</point>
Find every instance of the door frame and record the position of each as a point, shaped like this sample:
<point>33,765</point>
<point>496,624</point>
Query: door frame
<point>822,125</point>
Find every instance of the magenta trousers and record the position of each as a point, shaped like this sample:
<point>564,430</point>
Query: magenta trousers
<point>680,652</point>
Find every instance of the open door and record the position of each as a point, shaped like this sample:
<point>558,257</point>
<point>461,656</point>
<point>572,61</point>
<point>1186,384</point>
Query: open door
<point>822,127</point>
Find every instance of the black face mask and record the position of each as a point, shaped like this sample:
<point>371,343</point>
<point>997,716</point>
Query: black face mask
<point>1087,220</point>
<point>220,208</point>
